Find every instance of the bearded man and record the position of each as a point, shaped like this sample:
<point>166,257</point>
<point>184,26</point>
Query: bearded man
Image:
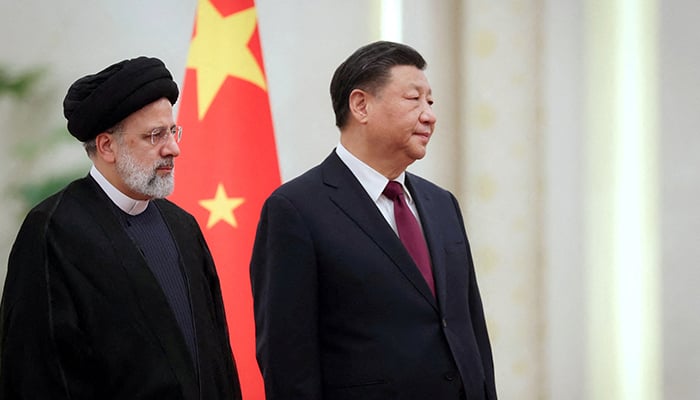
<point>111,291</point>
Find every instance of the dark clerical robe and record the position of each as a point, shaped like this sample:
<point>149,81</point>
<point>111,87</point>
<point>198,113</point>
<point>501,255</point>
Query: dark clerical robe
<point>84,317</point>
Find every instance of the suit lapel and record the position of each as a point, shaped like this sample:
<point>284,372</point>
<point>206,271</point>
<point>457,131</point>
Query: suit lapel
<point>349,195</point>
<point>149,301</point>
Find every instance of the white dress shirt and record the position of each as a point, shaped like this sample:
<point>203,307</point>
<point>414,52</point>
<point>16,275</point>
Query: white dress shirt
<point>374,183</point>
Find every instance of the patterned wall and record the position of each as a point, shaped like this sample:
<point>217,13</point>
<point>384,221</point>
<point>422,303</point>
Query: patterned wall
<point>501,160</point>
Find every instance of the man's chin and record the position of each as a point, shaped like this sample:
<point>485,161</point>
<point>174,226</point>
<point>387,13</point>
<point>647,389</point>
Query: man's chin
<point>159,188</point>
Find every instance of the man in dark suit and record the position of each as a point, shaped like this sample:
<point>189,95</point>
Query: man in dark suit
<point>111,292</point>
<point>350,303</point>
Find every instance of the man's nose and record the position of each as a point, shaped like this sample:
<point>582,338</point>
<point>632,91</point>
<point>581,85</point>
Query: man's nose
<point>171,148</point>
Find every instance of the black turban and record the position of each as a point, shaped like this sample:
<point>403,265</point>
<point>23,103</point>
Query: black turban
<point>95,103</point>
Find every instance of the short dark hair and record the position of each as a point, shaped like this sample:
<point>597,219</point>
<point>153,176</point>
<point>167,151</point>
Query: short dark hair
<point>368,68</point>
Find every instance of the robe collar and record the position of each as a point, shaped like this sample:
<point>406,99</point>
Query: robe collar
<point>124,202</point>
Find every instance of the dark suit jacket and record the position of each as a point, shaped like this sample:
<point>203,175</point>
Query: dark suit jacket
<point>83,317</point>
<point>342,311</point>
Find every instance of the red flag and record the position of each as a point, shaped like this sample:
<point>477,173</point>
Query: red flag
<point>228,164</point>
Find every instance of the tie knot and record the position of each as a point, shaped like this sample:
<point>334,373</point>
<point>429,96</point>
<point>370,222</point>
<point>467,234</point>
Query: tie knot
<point>393,190</point>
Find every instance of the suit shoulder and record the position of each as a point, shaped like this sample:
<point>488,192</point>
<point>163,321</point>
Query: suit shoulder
<point>425,185</point>
<point>302,185</point>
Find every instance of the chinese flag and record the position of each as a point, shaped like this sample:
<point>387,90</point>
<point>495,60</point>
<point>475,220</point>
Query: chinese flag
<point>228,165</point>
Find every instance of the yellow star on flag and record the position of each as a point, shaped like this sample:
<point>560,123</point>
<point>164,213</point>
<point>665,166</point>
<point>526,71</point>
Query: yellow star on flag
<point>220,49</point>
<point>221,207</point>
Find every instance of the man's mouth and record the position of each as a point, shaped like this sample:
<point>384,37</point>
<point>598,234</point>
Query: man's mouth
<point>165,167</point>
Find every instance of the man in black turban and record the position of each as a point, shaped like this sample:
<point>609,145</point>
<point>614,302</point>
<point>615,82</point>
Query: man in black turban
<point>111,292</point>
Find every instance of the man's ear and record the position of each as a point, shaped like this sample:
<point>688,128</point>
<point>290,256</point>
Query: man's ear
<point>358,103</point>
<point>105,143</point>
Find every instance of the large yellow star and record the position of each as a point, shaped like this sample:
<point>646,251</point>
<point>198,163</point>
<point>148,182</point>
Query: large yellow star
<point>221,207</point>
<point>220,49</point>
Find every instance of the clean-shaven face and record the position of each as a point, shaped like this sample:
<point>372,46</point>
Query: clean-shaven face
<point>401,116</point>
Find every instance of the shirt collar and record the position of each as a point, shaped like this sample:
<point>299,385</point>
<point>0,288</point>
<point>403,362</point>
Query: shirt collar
<point>372,181</point>
<point>124,202</point>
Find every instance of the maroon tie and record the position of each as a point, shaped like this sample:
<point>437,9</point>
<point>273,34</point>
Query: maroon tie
<point>409,232</point>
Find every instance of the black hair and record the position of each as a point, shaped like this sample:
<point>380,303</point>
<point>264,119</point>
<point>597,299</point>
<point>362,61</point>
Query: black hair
<point>369,69</point>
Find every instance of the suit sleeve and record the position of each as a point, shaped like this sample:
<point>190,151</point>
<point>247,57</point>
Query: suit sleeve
<point>284,284</point>
<point>478,322</point>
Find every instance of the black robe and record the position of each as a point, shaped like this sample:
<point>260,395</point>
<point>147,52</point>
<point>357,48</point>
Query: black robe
<point>83,317</point>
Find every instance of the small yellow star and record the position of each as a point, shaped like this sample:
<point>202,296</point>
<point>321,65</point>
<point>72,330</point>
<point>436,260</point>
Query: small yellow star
<point>221,207</point>
<point>220,49</point>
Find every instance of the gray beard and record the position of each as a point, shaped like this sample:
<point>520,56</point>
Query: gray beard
<point>143,179</point>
